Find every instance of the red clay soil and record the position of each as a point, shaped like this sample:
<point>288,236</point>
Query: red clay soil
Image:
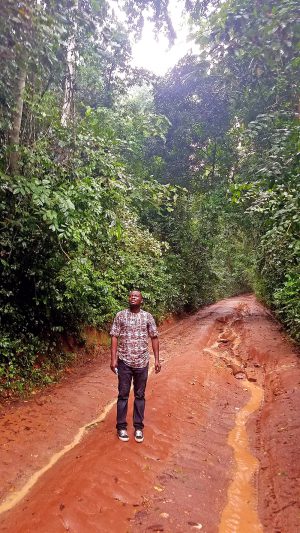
<point>179,479</point>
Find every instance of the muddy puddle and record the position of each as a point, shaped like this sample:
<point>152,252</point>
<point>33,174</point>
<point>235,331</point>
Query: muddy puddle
<point>240,514</point>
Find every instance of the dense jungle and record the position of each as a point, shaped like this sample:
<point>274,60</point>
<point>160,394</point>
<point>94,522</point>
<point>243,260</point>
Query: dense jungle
<point>184,186</point>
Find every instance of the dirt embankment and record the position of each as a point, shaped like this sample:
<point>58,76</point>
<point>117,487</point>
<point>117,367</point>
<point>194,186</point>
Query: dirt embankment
<point>221,450</point>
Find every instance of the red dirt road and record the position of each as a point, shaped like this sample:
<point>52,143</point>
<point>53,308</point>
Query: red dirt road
<point>222,439</point>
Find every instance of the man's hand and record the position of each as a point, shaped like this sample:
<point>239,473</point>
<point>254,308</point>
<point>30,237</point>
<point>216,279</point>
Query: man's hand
<point>113,367</point>
<point>157,367</point>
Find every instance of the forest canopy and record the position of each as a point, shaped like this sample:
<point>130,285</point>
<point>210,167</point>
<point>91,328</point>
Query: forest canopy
<point>184,186</point>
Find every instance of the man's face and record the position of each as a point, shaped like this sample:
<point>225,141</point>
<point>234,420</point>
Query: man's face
<point>135,298</point>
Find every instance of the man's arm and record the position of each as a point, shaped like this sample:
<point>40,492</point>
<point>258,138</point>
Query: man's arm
<point>114,346</point>
<point>155,347</point>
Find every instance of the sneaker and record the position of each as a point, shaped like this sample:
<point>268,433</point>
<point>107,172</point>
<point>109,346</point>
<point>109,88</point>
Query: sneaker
<point>123,435</point>
<point>138,435</point>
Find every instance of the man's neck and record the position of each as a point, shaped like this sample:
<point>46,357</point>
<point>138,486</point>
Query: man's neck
<point>134,308</point>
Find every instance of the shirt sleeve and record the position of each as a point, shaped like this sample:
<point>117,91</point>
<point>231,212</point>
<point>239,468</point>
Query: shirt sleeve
<point>152,328</point>
<point>116,327</point>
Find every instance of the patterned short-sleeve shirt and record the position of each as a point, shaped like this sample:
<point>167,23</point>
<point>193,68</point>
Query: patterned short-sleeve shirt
<point>133,330</point>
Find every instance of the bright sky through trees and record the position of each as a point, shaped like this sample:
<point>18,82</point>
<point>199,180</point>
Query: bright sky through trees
<point>154,52</point>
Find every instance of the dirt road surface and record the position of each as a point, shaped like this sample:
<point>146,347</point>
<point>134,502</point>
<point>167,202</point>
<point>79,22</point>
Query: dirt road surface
<point>222,438</point>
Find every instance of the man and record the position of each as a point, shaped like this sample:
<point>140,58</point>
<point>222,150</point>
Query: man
<point>130,360</point>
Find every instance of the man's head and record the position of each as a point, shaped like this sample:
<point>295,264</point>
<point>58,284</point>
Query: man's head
<point>135,299</point>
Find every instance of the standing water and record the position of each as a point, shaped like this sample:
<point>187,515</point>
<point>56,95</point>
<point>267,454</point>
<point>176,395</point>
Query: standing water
<point>240,514</point>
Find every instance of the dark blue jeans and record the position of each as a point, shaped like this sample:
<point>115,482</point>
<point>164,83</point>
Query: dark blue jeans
<point>125,376</point>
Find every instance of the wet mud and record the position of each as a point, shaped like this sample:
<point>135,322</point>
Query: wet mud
<point>221,450</point>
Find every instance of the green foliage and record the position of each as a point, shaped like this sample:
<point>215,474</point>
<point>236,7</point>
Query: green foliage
<point>186,188</point>
<point>197,152</point>
<point>254,48</point>
<point>233,259</point>
<point>287,300</point>
<point>72,244</point>
<point>272,194</point>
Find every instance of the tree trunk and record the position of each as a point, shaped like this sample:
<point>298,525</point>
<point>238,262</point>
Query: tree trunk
<point>68,105</point>
<point>14,137</point>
